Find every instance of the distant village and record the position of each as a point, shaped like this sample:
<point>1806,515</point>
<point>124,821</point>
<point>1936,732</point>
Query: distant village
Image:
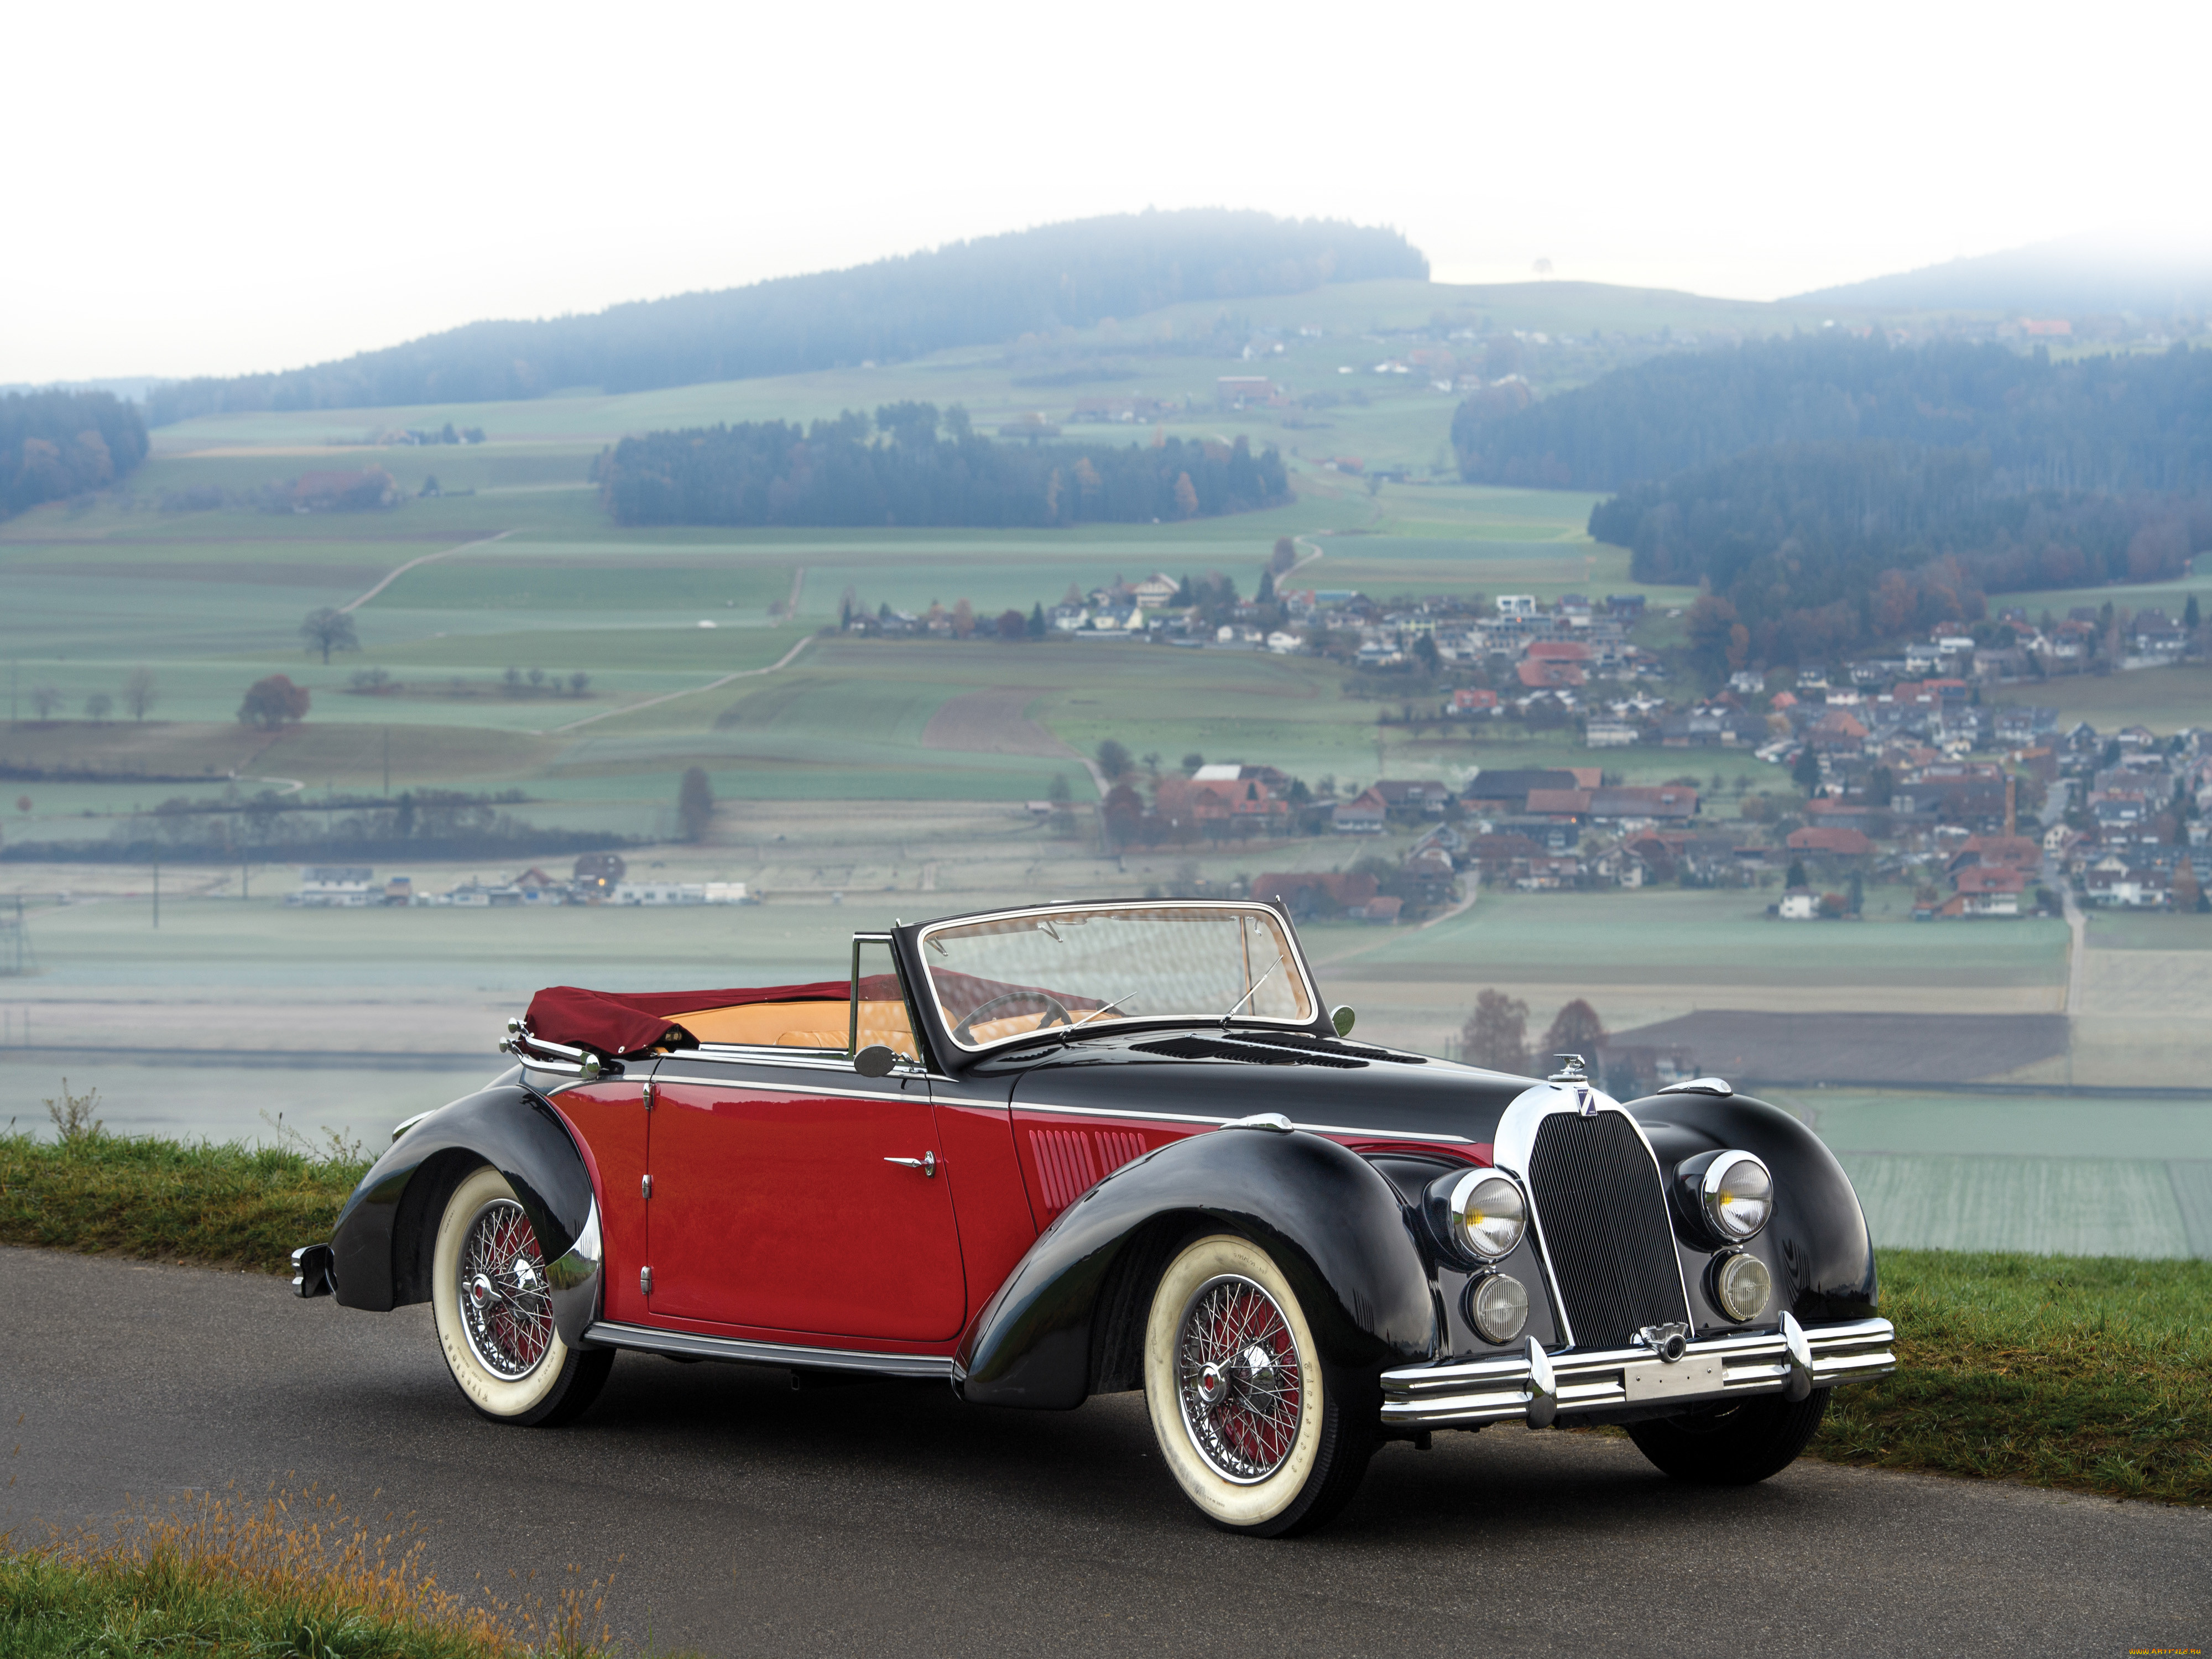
<point>596,878</point>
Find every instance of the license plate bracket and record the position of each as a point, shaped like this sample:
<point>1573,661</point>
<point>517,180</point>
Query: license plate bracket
<point>1655,1379</point>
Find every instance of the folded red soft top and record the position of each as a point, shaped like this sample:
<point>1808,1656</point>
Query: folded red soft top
<point>631,1022</point>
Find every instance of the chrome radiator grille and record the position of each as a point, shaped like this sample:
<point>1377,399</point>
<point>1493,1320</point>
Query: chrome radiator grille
<point>1605,1228</point>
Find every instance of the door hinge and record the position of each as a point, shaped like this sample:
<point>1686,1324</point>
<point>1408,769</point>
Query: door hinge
<point>645,1280</point>
<point>645,1187</point>
<point>648,1094</point>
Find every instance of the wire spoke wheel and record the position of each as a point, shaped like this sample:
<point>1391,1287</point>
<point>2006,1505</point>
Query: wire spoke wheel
<point>506,1311</point>
<point>1239,1380</point>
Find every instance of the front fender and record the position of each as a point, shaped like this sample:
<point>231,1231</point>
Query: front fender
<point>1819,1231</point>
<point>1330,1220</point>
<point>382,1245</point>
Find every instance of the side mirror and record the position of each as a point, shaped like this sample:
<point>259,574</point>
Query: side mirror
<point>874,1061</point>
<point>1342,1017</point>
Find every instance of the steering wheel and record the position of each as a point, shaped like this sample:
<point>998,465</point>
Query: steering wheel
<point>962,1031</point>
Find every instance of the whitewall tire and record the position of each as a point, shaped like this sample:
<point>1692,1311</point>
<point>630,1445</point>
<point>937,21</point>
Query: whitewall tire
<point>1259,1432</point>
<point>495,1316</point>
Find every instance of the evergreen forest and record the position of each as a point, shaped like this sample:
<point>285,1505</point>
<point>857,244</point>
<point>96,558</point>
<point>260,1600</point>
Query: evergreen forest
<point>2107,423</point>
<point>902,470</point>
<point>1832,492</point>
<point>992,290</point>
<point>54,445</point>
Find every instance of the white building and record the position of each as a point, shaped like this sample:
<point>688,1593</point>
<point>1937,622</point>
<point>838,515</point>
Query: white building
<point>328,886</point>
<point>659,892</point>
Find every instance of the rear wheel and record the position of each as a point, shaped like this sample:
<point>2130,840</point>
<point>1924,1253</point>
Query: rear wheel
<point>494,1312</point>
<point>1261,1433</point>
<point>1733,1445</point>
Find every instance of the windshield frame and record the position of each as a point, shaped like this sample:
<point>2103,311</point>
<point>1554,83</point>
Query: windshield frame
<point>935,1012</point>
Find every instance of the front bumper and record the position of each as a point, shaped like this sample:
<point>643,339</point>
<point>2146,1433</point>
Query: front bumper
<point>1540,1387</point>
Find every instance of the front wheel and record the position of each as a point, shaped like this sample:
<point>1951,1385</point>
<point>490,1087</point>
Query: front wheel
<point>1260,1432</point>
<point>1734,1445</point>
<point>494,1312</point>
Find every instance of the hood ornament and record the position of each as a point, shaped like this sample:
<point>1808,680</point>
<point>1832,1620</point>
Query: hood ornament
<point>1572,1074</point>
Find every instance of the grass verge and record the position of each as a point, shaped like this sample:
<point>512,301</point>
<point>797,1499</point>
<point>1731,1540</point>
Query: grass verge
<point>2084,1373</point>
<point>294,1576</point>
<point>2080,1372</point>
<point>167,1200</point>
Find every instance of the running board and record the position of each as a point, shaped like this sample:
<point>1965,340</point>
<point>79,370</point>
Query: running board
<point>691,1345</point>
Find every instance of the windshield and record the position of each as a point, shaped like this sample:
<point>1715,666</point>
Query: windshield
<point>1045,969</point>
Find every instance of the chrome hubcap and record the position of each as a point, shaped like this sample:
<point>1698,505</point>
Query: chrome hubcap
<point>1240,1383</point>
<point>505,1311</point>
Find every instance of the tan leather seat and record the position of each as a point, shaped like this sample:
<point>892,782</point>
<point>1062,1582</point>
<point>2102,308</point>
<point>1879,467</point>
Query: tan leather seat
<point>802,1024</point>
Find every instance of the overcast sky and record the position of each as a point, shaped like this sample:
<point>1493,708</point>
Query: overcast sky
<point>218,188</point>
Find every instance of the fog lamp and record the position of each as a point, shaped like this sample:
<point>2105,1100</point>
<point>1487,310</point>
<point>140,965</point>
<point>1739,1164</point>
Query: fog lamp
<point>1738,1195</point>
<point>1498,1306</point>
<point>1487,1214</point>
<point>1742,1286</point>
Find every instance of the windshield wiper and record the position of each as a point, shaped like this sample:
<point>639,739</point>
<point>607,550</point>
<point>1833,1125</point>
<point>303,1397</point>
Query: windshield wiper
<point>1230,1012</point>
<point>1097,1013</point>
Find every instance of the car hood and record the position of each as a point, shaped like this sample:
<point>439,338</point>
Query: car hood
<point>1326,1085</point>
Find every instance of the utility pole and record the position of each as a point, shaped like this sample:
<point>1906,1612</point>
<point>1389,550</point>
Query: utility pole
<point>157,896</point>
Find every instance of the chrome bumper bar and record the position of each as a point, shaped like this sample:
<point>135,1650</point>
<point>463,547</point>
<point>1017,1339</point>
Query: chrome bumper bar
<point>1540,1387</point>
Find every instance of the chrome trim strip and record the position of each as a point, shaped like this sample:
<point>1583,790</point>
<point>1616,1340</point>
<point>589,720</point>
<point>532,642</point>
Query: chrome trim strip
<point>1538,1384</point>
<point>1701,1085</point>
<point>573,1282</point>
<point>666,1075</point>
<point>612,1335</point>
<point>1021,1105</point>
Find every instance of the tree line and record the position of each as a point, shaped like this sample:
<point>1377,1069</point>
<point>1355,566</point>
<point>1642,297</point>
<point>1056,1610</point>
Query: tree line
<point>2110,424</point>
<point>837,472</point>
<point>54,445</point>
<point>991,290</point>
<point>1815,549</point>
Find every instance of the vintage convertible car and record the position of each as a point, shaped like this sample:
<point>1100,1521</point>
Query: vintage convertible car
<point>1053,1152</point>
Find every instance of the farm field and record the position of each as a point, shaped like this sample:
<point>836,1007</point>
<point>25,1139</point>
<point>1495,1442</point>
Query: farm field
<point>862,781</point>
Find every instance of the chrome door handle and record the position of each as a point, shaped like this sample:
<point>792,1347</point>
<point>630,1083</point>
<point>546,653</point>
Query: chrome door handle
<point>926,1163</point>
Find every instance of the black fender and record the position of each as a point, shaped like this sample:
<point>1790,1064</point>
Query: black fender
<point>1069,1320</point>
<point>382,1245</point>
<point>1818,1232</point>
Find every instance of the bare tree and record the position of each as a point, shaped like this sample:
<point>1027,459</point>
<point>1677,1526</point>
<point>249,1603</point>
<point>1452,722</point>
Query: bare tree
<point>327,631</point>
<point>138,693</point>
<point>98,705</point>
<point>1496,1033</point>
<point>45,699</point>
<point>1575,1030</point>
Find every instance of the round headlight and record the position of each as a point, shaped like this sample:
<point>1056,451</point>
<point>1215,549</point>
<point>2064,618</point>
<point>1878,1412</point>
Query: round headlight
<point>1739,1195</point>
<point>1498,1306</point>
<point>1488,1214</point>
<point>1742,1286</point>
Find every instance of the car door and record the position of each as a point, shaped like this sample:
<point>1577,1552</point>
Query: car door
<point>790,1195</point>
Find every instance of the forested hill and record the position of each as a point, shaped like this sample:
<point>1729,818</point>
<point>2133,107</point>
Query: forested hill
<point>58,444</point>
<point>836,472</point>
<point>2101,424</point>
<point>995,288</point>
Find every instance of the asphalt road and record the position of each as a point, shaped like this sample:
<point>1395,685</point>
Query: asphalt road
<point>888,1518</point>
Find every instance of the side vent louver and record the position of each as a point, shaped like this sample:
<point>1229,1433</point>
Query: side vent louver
<point>1070,1162</point>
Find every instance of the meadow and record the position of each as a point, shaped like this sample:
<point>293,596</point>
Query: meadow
<point>855,784</point>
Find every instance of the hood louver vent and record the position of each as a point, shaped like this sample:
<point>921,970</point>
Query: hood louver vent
<point>1252,1054</point>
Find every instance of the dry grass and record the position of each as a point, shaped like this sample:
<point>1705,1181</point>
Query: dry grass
<point>294,1574</point>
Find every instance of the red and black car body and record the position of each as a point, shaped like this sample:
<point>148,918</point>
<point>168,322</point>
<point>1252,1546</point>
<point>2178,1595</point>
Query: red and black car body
<point>1000,1205</point>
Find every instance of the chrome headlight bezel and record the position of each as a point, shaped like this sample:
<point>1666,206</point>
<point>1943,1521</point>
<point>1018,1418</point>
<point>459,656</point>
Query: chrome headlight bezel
<point>1725,1266</point>
<point>1491,1329</point>
<point>1736,1195</point>
<point>1486,1230</point>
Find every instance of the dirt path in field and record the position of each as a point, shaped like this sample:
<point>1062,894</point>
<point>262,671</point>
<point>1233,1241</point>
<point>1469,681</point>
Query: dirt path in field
<point>670,697</point>
<point>442,553</point>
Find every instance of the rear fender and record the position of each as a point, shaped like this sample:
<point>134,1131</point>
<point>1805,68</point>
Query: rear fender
<point>1818,1231</point>
<point>1070,1318</point>
<point>383,1243</point>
